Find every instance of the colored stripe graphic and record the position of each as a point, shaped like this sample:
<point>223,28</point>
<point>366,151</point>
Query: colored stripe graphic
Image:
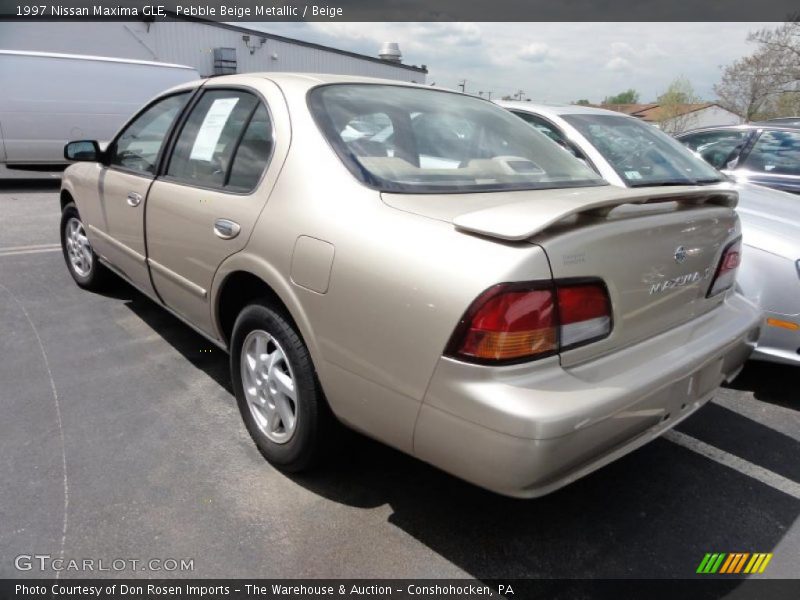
<point>711,562</point>
<point>703,563</point>
<point>740,563</point>
<point>734,562</point>
<point>728,563</point>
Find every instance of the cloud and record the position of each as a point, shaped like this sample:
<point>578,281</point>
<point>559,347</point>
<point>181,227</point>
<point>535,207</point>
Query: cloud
<point>622,49</point>
<point>536,52</point>
<point>618,63</point>
<point>449,34</point>
<point>554,62</point>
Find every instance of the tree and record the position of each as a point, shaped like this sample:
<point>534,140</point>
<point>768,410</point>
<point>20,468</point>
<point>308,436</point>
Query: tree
<point>783,44</point>
<point>766,83</point>
<point>630,96</point>
<point>785,105</point>
<point>673,116</point>
<point>582,102</point>
<point>747,85</point>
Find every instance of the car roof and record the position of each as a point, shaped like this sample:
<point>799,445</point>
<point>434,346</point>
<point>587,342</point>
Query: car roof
<point>315,79</point>
<point>788,124</point>
<point>87,57</point>
<point>745,127</point>
<point>558,109</point>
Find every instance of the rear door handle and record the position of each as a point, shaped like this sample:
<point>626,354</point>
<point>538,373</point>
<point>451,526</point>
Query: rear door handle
<point>134,199</point>
<point>226,229</point>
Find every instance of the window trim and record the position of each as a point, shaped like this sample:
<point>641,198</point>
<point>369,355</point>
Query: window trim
<point>260,99</point>
<point>191,92</point>
<point>365,178</point>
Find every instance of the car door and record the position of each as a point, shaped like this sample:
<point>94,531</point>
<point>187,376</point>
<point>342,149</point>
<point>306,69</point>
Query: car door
<point>212,190</point>
<point>721,148</point>
<point>117,230</point>
<point>773,161</point>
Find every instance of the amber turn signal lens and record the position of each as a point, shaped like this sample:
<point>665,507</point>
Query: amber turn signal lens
<point>503,345</point>
<point>783,324</point>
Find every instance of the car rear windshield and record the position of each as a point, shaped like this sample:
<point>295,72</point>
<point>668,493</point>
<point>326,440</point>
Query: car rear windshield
<point>641,154</point>
<point>412,140</point>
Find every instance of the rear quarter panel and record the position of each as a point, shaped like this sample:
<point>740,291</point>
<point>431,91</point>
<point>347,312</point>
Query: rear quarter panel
<point>399,282</point>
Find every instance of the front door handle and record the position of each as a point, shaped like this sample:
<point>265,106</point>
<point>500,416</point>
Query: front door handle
<point>226,229</point>
<point>134,199</point>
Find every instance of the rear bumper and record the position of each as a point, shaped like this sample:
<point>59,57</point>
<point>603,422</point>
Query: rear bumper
<point>528,430</point>
<point>779,344</point>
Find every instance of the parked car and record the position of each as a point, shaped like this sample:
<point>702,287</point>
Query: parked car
<point>490,313</point>
<point>770,271</point>
<point>762,153</point>
<point>630,153</point>
<point>48,99</point>
<point>794,121</point>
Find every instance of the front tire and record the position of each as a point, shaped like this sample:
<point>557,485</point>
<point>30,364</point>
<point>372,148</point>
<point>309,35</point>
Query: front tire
<point>82,262</point>
<point>277,391</point>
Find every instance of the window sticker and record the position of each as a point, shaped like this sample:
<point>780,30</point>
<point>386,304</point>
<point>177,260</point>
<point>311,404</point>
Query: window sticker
<point>633,175</point>
<point>217,116</point>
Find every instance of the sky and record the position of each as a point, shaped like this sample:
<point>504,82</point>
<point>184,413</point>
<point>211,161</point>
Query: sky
<point>550,62</point>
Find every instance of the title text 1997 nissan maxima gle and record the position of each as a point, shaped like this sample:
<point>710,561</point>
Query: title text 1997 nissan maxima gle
<point>418,264</point>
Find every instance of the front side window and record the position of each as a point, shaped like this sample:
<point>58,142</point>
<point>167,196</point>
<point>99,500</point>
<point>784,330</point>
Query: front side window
<point>406,139</point>
<point>776,152</point>
<point>641,154</point>
<point>138,146</point>
<point>718,148</point>
<point>221,122</point>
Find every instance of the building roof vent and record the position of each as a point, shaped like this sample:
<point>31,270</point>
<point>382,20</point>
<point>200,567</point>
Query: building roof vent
<point>390,52</point>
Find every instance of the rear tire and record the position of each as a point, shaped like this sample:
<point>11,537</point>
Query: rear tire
<point>276,387</point>
<point>82,262</point>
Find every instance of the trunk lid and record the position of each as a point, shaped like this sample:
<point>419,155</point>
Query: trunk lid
<point>656,250</point>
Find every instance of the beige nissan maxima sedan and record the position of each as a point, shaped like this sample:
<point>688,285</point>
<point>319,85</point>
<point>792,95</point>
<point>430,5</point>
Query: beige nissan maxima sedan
<point>419,265</point>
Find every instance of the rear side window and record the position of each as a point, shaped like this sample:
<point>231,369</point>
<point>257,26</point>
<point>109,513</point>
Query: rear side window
<point>775,152</point>
<point>226,136</point>
<point>253,153</point>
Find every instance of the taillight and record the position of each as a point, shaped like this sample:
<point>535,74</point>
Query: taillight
<point>518,322</point>
<point>725,276</point>
<point>584,312</point>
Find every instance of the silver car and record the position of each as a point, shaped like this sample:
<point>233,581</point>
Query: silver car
<point>419,265</point>
<point>633,154</point>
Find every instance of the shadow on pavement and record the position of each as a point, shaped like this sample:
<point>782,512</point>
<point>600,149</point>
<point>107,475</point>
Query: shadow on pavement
<point>29,185</point>
<point>194,347</point>
<point>770,382</point>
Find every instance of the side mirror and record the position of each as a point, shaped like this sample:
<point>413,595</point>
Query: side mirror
<point>84,151</point>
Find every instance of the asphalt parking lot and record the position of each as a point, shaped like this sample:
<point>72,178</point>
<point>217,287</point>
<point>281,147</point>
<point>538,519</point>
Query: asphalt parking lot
<point>120,438</point>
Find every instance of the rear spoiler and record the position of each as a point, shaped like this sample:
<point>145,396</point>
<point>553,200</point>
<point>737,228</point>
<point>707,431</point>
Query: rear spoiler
<point>517,221</point>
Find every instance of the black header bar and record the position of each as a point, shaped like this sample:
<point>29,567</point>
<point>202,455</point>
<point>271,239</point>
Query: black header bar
<point>402,10</point>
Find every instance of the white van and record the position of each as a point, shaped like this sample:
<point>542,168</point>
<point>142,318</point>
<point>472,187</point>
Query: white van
<point>49,99</point>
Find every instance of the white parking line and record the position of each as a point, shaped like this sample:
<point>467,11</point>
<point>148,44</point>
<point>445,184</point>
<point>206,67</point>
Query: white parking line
<point>33,249</point>
<point>778,418</point>
<point>765,476</point>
